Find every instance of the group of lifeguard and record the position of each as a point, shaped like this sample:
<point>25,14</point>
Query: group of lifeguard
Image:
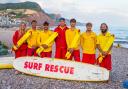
<point>88,41</point>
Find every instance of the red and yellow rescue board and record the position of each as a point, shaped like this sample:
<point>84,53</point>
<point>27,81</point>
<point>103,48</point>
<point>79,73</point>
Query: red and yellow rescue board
<point>60,69</point>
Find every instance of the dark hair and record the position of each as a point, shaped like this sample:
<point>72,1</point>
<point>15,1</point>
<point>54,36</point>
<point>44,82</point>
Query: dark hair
<point>62,19</point>
<point>105,25</point>
<point>33,21</point>
<point>46,23</point>
<point>88,24</point>
<point>73,20</point>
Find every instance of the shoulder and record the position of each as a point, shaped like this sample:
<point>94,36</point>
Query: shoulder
<point>83,33</point>
<point>94,34</point>
<point>111,34</point>
<point>38,31</point>
<point>29,30</point>
<point>68,30</point>
<point>50,31</point>
<point>17,31</point>
<point>78,30</point>
<point>99,36</point>
<point>57,28</point>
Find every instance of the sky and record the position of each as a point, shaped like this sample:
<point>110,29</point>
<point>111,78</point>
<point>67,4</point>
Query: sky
<point>112,12</point>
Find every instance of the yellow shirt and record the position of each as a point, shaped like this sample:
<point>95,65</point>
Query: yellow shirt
<point>32,40</point>
<point>70,34</point>
<point>103,39</point>
<point>43,36</point>
<point>88,42</point>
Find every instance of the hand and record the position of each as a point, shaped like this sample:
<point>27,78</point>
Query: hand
<point>45,46</point>
<point>104,53</point>
<point>113,35</point>
<point>17,46</point>
<point>70,50</point>
<point>34,47</point>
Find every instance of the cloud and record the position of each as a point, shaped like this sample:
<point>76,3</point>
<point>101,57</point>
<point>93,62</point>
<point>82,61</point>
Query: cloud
<point>111,11</point>
<point>8,1</point>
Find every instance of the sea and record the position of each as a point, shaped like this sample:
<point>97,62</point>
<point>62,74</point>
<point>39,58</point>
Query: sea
<point>121,34</point>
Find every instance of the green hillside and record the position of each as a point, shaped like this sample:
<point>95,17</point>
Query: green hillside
<point>22,5</point>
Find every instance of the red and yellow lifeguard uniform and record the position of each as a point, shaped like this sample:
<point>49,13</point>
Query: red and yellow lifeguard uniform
<point>42,38</point>
<point>32,42</point>
<point>22,50</point>
<point>70,34</point>
<point>88,44</point>
<point>61,46</point>
<point>102,40</point>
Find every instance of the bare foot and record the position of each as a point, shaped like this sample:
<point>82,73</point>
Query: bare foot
<point>17,72</point>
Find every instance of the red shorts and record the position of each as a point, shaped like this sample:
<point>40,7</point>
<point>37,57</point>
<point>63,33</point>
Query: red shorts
<point>89,58</point>
<point>45,54</point>
<point>31,52</point>
<point>20,53</point>
<point>60,53</point>
<point>76,55</point>
<point>106,63</point>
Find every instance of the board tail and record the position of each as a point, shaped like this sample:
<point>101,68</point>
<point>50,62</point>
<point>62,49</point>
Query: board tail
<point>6,66</point>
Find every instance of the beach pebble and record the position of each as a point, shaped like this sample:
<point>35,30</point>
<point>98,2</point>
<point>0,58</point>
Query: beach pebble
<point>3,82</point>
<point>9,87</point>
<point>8,80</point>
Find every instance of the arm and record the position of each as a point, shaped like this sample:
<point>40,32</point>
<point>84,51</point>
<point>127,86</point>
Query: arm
<point>81,41</point>
<point>98,44</point>
<point>15,38</point>
<point>110,48</point>
<point>99,48</point>
<point>52,41</point>
<point>67,39</point>
<point>95,41</point>
<point>56,30</point>
<point>78,42</point>
<point>104,53</point>
<point>39,40</point>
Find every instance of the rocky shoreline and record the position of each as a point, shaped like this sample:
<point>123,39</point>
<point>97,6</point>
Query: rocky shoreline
<point>8,80</point>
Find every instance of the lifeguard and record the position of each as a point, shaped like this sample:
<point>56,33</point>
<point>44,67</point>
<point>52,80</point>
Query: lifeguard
<point>73,45</point>
<point>61,46</point>
<point>21,50</point>
<point>88,44</point>
<point>102,40</point>
<point>32,40</point>
<point>42,38</point>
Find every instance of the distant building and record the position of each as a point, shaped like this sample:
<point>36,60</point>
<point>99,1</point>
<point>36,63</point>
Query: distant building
<point>8,18</point>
